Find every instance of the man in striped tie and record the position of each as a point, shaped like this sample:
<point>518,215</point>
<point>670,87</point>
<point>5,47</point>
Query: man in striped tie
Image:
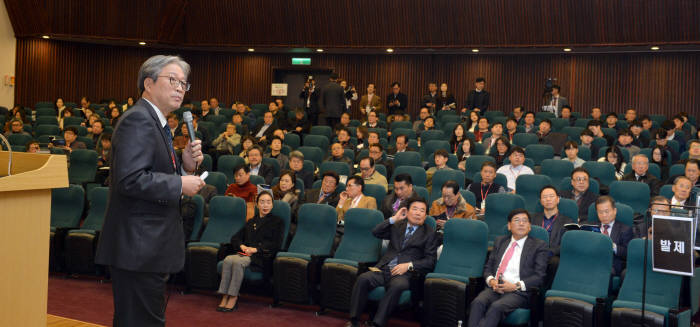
<point>619,233</point>
<point>517,262</point>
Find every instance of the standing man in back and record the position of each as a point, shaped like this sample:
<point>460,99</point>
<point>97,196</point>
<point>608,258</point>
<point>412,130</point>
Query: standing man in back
<point>333,101</point>
<point>142,239</point>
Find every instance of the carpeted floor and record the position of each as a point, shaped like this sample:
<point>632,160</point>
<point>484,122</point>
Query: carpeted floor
<point>87,300</point>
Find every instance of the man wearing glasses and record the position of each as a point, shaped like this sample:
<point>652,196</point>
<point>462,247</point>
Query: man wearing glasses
<point>619,233</point>
<point>16,127</point>
<point>371,175</point>
<point>142,240</point>
<point>581,193</point>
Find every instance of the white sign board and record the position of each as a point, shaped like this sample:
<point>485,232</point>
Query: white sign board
<point>279,89</point>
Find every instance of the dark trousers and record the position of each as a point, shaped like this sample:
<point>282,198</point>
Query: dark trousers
<point>332,121</point>
<point>139,298</point>
<point>370,280</point>
<point>489,308</point>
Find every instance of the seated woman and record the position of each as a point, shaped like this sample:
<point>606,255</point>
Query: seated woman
<point>571,150</point>
<point>614,156</point>
<point>246,144</point>
<point>286,189</point>
<point>243,188</point>
<point>352,197</point>
<point>501,151</point>
<point>256,245</point>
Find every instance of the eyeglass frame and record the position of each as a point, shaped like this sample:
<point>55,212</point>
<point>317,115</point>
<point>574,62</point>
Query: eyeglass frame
<point>186,86</point>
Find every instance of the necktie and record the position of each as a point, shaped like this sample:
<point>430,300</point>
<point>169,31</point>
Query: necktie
<point>396,205</point>
<point>409,233</point>
<point>506,259</point>
<point>169,138</point>
<point>605,229</point>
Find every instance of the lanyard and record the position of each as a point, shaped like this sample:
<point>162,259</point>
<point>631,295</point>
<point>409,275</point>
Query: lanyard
<point>549,226</point>
<point>483,196</point>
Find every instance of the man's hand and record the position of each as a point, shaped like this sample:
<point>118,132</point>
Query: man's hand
<point>298,129</point>
<point>400,215</point>
<point>440,222</point>
<point>505,287</point>
<point>343,197</point>
<point>493,284</point>
<point>191,184</point>
<point>476,109</point>
<point>400,269</point>
<point>192,155</point>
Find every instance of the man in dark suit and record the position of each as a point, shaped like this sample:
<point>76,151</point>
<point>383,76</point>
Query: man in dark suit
<point>328,193</point>
<point>257,167</point>
<point>619,233</point>
<point>142,239</point>
<point>403,191</point>
<point>310,95</point>
<point>640,173</point>
<point>396,101</point>
<point>333,101</point>
<point>478,99</point>
<point>412,252</point>
<point>263,132</point>
<point>581,193</point>
<point>517,262</point>
<point>551,219</point>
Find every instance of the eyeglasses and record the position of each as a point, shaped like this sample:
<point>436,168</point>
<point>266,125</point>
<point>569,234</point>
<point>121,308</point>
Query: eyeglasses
<point>366,168</point>
<point>580,179</point>
<point>174,82</point>
<point>520,220</point>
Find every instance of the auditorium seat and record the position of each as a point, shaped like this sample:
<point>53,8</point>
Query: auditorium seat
<point>318,141</point>
<point>556,169</point>
<point>666,191</point>
<point>381,169</point>
<point>422,192</point>
<point>312,153</point>
<point>429,147</point>
<point>442,176</point>
<point>274,163</point>
<point>430,135</point>
<point>663,292</point>
<point>539,152</point>
<point>47,111</point>
<point>66,210</point>
<point>378,192</point>
<point>198,200</point>
<point>573,132</point>
<point>326,131</point>
<point>227,215</point>
<point>257,180</point>
<point>81,243</point>
<point>529,186</point>
<point>468,196</point>
<point>602,170</point>
<point>417,174</point>
<point>296,272</point>
<point>449,289</point>
<point>524,139</point>
<point>408,158</point>
<point>357,250</point>
<point>46,120</point>
<point>498,206</point>
<point>676,170</point>
<point>401,125</point>
<point>218,180</point>
<point>226,163</point>
<point>341,168</point>
<point>19,139</point>
<point>207,163</point>
<point>83,166</point>
<point>567,207</point>
<point>634,194</point>
<point>580,288</point>
<point>292,140</point>
<point>473,164</point>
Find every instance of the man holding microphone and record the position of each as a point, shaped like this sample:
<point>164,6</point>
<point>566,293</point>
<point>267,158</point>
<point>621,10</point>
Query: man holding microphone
<point>142,240</point>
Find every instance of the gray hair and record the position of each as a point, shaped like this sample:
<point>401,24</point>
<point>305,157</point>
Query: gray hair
<point>152,67</point>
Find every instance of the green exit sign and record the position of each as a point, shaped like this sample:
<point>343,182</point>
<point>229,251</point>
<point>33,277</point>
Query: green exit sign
<point>301,61</point>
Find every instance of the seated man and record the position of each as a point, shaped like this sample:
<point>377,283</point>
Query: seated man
<point>638,139</point>
<point>70,135</point>
<point>658,205</point>
<point>694,149</point>
<point>16,127</point>
<point>371,175</point>
<point>328,193</point>
<point>529,122</point>
<point>352,197</point>
<point>587,138</point>
<point>624,141</point>
<point>611,121</point>
<point>296,163</point>
<point>226,142</point>
<point>451,205</point>
<point>516,263</point>
<point>682,192</point>
<point>276,152</point>
<point>257,167</point>
<point>411,253</point>
<point>344,138</point>
<point>550,219</point>
<point>440,158</point>
<point>547,136</point>
<point>403,190</point>
<point>400,146</point>
<point>243,188</point>
<point>264,130</point>
<point>487,185</point>
<point>338,155</point>
<point>620,234</point>
<point>640,173</point>
<point>661,136</point>
<point>516,167</point>
<point>581,193</point>
<point>595,126</point>
<point>376,152</point>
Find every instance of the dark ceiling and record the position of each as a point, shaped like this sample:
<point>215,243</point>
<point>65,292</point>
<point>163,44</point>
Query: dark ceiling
<point>365,25</point>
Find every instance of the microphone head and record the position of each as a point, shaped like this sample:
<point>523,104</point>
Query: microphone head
<point>187,116</point>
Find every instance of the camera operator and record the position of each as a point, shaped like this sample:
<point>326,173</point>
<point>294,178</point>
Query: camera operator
<point>350,94</point>
<point>310,95</point>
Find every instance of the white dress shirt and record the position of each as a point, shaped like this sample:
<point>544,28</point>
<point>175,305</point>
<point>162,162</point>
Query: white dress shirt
<point>512,272</point>
<point>512,173</point>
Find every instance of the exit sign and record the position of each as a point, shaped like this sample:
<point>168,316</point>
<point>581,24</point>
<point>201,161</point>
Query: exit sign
<point>301,61</point>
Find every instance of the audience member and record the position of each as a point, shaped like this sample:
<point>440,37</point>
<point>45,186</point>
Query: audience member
<point>242,187</point>
<point>516,167</point>
<point>96,131</point>
<point>473,122</point>
<point>373,121</point>
<point>640,173</point>
<point>595,126</point>
<point>422,115</point>
<point>333,96</point>
<point>310,94</point>
<point>496,133</point>
<point>624,140</point>
<point>478,99</point>
<point>376,152</point>
<point>401,145</point>
<point>529,124</point>
<point>630,116</point>
<point>440,159</point>
<point>483,129</point>
<point>638,138</point>
<point>428,125</point>
<point>596,114</point>
<point>33,147</point>
<point>371,175</point>
<point>247,144</point>
<point>300,124</point>
<point>682,191</point>
<point>466,149</point>
<point>344,138</point>
<point>445,99</point>
<point>370,101</point>
<point>16,128</point>
<point>173,123</point>
<point>551,219</point>
<point>352,197</point>
<point>430,99</point>
<point>258,167</point>
<point>403,191</point>
<point>571,151</point>
<point>328,193</point>
<point>286,189</point>
<point>547,136</point>
<point>620,234</point>
<point>614,156</point>
<point>566,114</point>
<point>264,130</point>
<point>457,137</point>
<point>396,101</point>
<point>338,155</point>
<point>104,151</point>
<point>580,192</point>
<point>661,136</point>
<point>587,142</point>
<point>500,153</point>
<point>450,205</point>
<point>611,121</point>
<point>276,152</point>
<point>227,141</point>
<point>296,164</point>
<point>487,185</point>
<point>350,95</point>
<point>557,101</point>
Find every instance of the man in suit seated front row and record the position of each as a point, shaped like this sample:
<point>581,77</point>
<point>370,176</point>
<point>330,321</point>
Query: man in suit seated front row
<point>517,262</point>
<point>619,233</point>
<point>411,252</point>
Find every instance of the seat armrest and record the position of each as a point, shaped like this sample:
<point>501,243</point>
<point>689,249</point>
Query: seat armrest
<point>678,317</point>
<point>599,311</point>
<point>363,267</point>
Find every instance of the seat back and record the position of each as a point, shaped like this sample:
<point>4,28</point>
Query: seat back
<point>67,206</point>
<point>498,206</point>
<point>225,165</point>
<point>465,244</point>
<point>524,139</point>
<point>567,207</point>
<point>274,163</point>
<point>602,170</point>
<point>292,140</point>
<point>98,206</point>
<point>430,135</point>
<point>312,153</point>
<point>19,139</point>
<point>634,194</point>
<point>198,216</point>
<point>593,185</point>
<point>662,289</point>
<point>529,186</point>
<point>282,210</point>
<point>625,214</point>
<point>443,175</point>
<point>401,124</point>
<point>47,129</point>
<point>557,169</point>
<point>585,264</point>
<point>376,191</point>
<point>418,175</point>
<point>422,192</point>
<point>339,167</point>
<point>431,146</point>
<point>539,152</point>
<point>473,164</point>
<point>83,166</point>
<point>408,158</point>
<point>326,131</point>
<point>319,141</point>
<point>227,216</point>
<point>218,180</point>
<point>469,197</point>
<point>358,243</point>
<point>207,162</point>
<point>410,133</point>
<point>315,230</point>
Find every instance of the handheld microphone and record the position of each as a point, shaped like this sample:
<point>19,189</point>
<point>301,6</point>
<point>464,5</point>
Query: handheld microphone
<point>187,116</point>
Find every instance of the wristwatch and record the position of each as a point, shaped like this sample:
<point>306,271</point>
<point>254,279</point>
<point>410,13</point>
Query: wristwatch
<point>410,266</point>
<point>518,286</point>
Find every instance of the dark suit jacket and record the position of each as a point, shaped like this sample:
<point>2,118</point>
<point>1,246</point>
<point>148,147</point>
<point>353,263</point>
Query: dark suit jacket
<point>420,248</point>
<point>311,196</point>
<point>621,235</point>
<point>268,132</point>
<point>306,176</point>
<point>403,101</point>
<point>586,199</point>
<point>312,98</point>
<point>649,179</point>
<point>533,260</point>
<point>142,229</point>
<point>264,234</point>
<point>388,204</point>
<point>267,172</point>
<point>479,100</point>
<point>333,100</point>
<point>557,229</point>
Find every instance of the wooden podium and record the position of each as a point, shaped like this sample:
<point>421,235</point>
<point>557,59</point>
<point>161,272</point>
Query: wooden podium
<point>25,215</point>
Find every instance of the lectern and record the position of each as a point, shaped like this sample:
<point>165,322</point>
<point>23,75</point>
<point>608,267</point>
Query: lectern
<point>25,214</point>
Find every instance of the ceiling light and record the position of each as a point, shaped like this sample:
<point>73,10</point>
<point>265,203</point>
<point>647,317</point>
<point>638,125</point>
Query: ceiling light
<point>142,43</point>
<point>45,37</point>
<point>475,50</point>
<point>655,48</point>
<point>251,50</point>
<point>319,50</point>
<point>390,50</point>
<point>567,49</point>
